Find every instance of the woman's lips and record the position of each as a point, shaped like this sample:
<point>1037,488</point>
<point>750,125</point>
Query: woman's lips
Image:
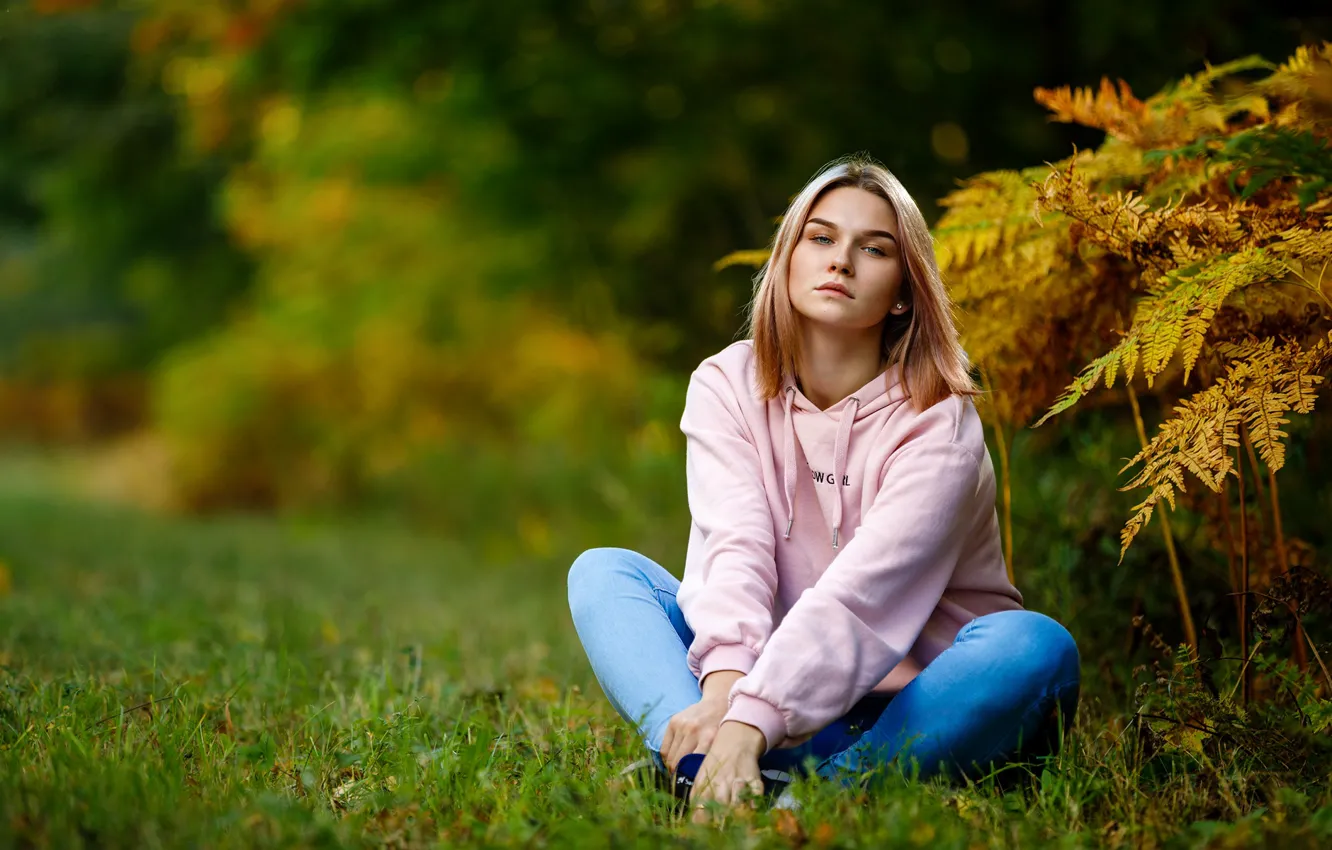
<point>833,289</point>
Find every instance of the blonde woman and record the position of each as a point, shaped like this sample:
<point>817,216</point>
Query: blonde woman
<point>845,602</point>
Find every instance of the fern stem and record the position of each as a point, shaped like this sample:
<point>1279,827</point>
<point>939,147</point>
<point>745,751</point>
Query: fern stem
<point>1260,497</point>
<point>1299,629</point>
<point>1278,540</point>
<point>1283,556</point>
<point>1176,573</point>
<point>1246,678</point>
<point>1326,676</point>
<point>1316,288</point>
<point>1231,564</point>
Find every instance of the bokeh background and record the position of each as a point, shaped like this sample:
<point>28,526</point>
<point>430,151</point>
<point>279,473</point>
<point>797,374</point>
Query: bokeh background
<point>449,265</point>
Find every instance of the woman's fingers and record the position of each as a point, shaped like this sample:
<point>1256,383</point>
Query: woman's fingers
<point>676,747</point>
<point>705,737</point>
<point>688,743</point>
<point>738,791</point>
<point>668,756</point>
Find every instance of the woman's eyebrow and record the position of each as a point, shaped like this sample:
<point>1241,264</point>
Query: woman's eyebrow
<point>831,226</point>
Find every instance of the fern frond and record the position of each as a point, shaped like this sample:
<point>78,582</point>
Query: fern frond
<point>1180,314</point>
<point>1263,382</point>
<point>987,214</point>
<point>1106,365</point>
<point>1025,264</point>
<point>1306,60</point>
<point>1299,86</point>
<point>1176,315</point>
<point>1125,223</point>
<point>1307,246</point>
<point>752,257</point>
<point>1112,109</point>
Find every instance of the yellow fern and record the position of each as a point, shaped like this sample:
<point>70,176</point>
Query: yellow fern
<point>1263,383</point>
<point>748,257</point>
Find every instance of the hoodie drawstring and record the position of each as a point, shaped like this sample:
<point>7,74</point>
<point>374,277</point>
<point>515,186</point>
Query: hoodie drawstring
<point>840,450</point>
<point>788,434</point>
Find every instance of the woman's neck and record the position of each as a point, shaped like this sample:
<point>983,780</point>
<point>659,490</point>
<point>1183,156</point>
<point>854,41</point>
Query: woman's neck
<point>834,365</point>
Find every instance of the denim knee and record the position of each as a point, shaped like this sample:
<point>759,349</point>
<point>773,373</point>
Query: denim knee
<point>590,574</point>
<point>1038,647</point>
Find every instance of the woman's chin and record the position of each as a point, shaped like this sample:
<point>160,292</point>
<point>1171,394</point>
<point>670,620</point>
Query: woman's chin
<point>834,317</point>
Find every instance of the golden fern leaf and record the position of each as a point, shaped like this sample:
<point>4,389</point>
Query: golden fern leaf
<point>1308,256</point>
<point>752,257</point>
<point>1106,365</point>
<point>1180,316</point>
<point>1029,261</point>
<point>986,214</point>
<point>1266,223</point>
<point>1115,164</point>
<point>1192,88</point>
<point>988,195</point>
<point>1174,116</point>
<point>1176,315</point>
<point>1114,110</point>
<point>1308,246</point>
<point>1194,106</point>
<point>1125,223</point>
<point>1307,59</point>
<point>1122,222</point>
<point>1279,380</point>
<point>1302,86</point>
<point>1263,382</point>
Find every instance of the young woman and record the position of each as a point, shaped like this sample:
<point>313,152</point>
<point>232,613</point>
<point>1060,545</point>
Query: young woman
<point>845,602</point>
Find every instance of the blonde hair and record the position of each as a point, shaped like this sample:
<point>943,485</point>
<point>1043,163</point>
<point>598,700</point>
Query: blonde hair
<point>924,339</point>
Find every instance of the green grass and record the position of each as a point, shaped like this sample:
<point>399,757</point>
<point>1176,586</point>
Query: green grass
<point>242,682</point>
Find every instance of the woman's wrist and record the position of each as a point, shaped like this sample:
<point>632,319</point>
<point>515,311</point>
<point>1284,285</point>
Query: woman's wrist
<point>717,684</point>
<point>746,738</point>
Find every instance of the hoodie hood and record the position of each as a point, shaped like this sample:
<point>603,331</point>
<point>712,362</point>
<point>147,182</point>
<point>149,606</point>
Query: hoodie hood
<point>837,422</point>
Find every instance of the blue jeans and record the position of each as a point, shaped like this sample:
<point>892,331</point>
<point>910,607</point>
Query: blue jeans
<point>1004,689</point>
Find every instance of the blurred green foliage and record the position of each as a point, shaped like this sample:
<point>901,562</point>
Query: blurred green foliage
<point>110,252</point>
<point>454,260</point>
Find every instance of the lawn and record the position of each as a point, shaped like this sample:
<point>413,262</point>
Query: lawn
<point>246,682</point>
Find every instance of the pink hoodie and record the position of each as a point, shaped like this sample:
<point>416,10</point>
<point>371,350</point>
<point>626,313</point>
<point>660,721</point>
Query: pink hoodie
<point>832,552</point>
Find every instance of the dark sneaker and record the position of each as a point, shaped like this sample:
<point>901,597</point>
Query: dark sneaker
<point>774,781</point>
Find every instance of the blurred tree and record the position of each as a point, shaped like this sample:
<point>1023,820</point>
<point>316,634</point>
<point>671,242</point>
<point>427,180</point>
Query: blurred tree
<point>482,232</point>
<point>632,143</point>
<point>110,250</point>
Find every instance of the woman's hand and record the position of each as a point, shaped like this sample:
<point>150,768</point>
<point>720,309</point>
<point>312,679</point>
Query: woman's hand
<point>730,771</point>
<point>692,730</point>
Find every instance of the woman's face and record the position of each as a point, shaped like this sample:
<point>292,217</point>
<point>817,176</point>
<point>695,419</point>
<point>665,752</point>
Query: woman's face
<point>846,267</point>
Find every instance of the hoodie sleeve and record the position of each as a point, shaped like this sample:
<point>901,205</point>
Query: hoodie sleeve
<point>864,614</point>
<point>729,586</point>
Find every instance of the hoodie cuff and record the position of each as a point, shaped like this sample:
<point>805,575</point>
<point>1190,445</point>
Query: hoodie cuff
<point>730,656</point>
<point>760,714</point>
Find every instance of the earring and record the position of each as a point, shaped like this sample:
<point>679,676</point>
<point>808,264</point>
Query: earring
<point>900,305</point>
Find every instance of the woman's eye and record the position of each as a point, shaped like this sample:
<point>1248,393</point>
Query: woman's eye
<point>875,248</point>
<point>816,237</point>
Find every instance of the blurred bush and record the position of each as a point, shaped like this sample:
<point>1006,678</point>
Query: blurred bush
<point>110,252</point>
<point>454,260</point>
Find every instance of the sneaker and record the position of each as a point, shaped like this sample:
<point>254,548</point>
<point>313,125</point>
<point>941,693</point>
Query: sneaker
<point>786,800</point>
<point>774,781</point>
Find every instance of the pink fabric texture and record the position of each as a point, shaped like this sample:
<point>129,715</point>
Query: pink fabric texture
<point>831,552</point>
